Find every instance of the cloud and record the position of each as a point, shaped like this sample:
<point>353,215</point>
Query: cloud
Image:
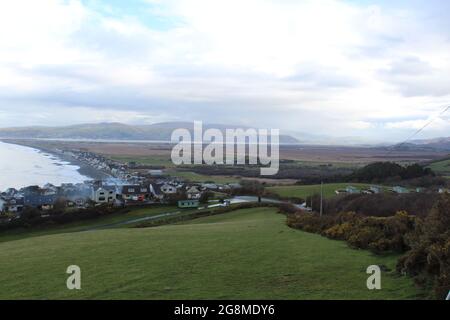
<point>413,76</point>
<point>332,67</point>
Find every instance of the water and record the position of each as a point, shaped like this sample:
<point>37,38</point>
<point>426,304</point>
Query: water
<point>23,166</point>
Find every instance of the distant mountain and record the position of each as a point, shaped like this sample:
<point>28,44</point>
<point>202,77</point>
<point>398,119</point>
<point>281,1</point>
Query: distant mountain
<point>115,131</point>
<point>442,144</point>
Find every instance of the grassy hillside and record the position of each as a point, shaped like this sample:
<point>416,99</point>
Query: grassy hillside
<point>244,254</point>
<point>308,190</point>
<point>441,167</point>
<point>116,220</point>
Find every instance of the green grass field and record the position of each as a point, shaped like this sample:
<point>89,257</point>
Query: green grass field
<point>308,190</point>
<point>108,221</point>
<point>246,254</point>
<point>196,177</point>
<point>441,167</point>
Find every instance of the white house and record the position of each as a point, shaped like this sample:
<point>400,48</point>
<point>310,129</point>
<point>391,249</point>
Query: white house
<point>352,189</point>
<point>398,189</point>
<point>168,189</point>
<point>193,193</point>
<point>104,194</point>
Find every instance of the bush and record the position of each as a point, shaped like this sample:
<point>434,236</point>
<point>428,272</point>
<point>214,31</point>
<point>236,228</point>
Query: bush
<point>378,234</point>
<point>429,258</point>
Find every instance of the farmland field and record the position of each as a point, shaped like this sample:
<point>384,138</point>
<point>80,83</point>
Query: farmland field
<point>303,191</point>
<point>246,254</point>
<point>197,177</point>
<point>441,167</point>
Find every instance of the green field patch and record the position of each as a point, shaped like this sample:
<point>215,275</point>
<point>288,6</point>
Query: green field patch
<point>196,177</point>
<point>304,191</point>
<point>108,221</point>
<point>441,167</point>
<point>247,254</point>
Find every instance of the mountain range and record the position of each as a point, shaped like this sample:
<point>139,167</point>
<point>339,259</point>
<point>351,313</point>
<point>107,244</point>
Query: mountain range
<point>163,131</point>
<point>115,131</point>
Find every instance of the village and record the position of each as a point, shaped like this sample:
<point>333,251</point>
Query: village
<point>123,185</point>
<point>132,185</point>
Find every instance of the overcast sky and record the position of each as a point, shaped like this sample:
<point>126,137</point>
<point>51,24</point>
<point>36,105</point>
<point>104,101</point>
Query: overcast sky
<point>372,69</point>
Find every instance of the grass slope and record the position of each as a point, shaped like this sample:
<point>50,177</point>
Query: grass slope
<point>303,191</point>
<point>441,167</point>
<point>107,221</point>
<point>248,254</point>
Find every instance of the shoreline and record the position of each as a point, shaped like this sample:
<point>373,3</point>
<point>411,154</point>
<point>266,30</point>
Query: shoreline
<point>84,169</point>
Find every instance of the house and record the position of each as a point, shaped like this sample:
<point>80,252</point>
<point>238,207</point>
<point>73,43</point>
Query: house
<point>13,204</point>
<point>77,195</point>
<point>398,189</point>
<point>104,194</point>
<point>155,173</point>
<point>2,204</point>
<point>78,202</point>
<point>155,191</point>
<point>444,190</point>
<point>188,204</point>
<point>49,189</point>
<point>375,189</point>
<point>135,193</point>
<point>351,189</point>
<point>40,201</point>
<point>11,192</point>
<point>168,189</point>
<point>210,186</point>
<point>193,193</point>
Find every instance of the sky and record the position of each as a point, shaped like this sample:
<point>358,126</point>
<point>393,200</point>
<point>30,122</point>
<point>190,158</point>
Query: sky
<point>374,70</point>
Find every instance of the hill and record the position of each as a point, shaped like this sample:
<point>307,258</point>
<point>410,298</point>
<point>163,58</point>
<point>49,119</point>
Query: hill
<point>440,144</point>
<point>114,131</point>
<point>246,254</point>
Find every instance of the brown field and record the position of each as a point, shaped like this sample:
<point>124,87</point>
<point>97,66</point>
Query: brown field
<point>307,154</point>
<point>354,155</point>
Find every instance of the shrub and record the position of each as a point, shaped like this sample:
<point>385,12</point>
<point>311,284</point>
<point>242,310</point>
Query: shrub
<point>429,258</point>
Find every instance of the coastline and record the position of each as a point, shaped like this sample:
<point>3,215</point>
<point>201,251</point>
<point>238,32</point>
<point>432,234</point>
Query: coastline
<point>83,168</point>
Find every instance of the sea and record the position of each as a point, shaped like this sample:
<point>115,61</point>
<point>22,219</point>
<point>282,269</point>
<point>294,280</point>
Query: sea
<point>22,166</point>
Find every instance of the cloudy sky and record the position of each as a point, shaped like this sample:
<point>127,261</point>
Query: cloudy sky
<point>373,69</point>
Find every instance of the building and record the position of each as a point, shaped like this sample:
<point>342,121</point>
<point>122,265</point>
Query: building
<point>193,193</point>
<point>351,189</point>
<point>210,186</point>
<point>155,191</point>
<point>40,201</point>
<point>13,204</point>
<point>398,189</point>
<point>168,189</point>
<point>188,204</point>
<point>135,193</point>
<point>104,194</point>
<point>376,189</point>
<point>155,173</point>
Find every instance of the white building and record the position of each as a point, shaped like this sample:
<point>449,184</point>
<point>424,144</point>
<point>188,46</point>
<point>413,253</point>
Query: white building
<point>168,189</point>
<point>104,194</point>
